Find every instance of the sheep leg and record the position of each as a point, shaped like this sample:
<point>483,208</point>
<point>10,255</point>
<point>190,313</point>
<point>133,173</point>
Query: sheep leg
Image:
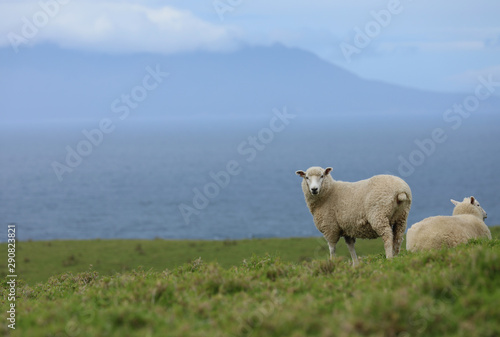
<point>388,239</point>
<point>350,245</point>
<point>384,230</point>
<point>398,232</point>
<point>332,239</point>
<point>332,249</point>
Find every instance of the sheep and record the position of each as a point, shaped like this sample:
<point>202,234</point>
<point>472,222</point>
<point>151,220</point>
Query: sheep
<point>366,209</point>
<point>467,222</point>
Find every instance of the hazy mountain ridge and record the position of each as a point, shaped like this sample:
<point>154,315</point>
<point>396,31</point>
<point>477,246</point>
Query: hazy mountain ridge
<point>48,82</point>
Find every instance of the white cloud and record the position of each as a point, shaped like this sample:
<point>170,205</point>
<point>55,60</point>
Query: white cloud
<point>443,39</point>
<point>112,27</point>
<point>469,78</point>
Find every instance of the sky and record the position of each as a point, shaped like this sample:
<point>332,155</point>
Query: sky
<point>434,45</point>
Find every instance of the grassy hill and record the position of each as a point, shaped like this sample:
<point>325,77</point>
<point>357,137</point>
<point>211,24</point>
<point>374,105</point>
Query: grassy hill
<point>294,291</point>
<point>38,260</point>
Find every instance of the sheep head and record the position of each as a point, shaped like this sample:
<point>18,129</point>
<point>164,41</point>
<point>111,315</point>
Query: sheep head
<point>468,206</point>
<point>314,177</point>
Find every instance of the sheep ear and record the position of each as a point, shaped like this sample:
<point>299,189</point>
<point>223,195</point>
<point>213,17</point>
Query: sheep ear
<point>472,200</point>
<point>328,170</point>
<point>300,173</point>
<point>454,202</point>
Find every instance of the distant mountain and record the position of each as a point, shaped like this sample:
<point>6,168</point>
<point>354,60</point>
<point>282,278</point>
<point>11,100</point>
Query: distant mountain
<point>48,82</point>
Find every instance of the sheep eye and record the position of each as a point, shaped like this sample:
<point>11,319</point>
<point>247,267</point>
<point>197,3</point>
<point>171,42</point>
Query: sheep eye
<point>322,177</point>
<point>307,178</point>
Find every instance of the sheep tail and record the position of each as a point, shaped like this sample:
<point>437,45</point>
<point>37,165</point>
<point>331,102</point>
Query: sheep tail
<point>402,197</point>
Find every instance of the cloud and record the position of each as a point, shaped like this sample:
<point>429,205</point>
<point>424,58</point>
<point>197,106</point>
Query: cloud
<point>111,27</point>
<point>470,78</point>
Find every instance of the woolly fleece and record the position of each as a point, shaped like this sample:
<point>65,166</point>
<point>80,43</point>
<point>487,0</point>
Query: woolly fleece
<point>467,222</point>
<point>366,209</point>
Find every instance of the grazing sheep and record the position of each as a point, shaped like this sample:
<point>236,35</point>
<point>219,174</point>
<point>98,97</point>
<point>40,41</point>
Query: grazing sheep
<point>467,222</point>
<point>366,209</point>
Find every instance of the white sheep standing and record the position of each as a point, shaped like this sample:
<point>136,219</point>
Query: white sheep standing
<point>366,209</point>
<point>467,222</point>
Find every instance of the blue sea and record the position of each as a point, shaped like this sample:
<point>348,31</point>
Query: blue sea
<point>229,177</point>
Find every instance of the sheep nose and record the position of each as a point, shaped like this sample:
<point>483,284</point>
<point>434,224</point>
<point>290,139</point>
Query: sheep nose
<point>314,190</point>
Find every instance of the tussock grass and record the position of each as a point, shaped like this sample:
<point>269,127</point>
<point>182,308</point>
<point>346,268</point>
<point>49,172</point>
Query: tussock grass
<point>448,292</point>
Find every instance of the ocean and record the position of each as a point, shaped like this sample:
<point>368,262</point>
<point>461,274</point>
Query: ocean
<point>229,177</point>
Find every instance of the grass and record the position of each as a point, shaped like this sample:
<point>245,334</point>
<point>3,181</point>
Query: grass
<point>38,260</point>
<point>453,292</point>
